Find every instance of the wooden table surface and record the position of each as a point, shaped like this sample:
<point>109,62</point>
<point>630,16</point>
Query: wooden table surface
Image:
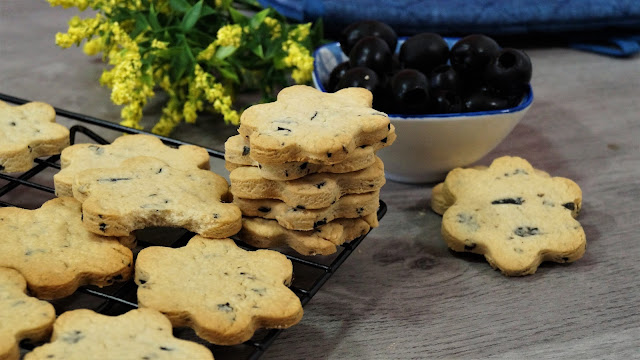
<point>403,294</point>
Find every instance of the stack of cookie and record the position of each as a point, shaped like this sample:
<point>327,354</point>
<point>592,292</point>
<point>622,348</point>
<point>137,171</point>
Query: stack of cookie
<point>304,171</point>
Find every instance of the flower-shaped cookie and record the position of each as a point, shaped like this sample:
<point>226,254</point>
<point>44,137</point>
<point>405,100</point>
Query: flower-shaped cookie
<point>223,292</point>
<point>293,218</point>
<point>237,153</point>
<point>27,132</point>
<point>55,253</point>
<point>139,334</point>
<point>306,124</point>
<point>515,215</point>
<point>144,192</point>
<point>21,316</point>
<point>79,157</point>
<point>314,191</point>
<point>323,240</point>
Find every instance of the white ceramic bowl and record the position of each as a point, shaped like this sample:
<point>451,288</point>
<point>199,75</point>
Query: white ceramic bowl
<point>429,146</point>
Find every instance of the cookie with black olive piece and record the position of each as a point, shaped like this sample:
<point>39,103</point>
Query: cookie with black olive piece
<point>513,214</point>
<point>138,334</point>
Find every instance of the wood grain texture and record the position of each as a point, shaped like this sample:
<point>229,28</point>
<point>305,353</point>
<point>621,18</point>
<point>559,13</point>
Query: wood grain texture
<point>403,294</point>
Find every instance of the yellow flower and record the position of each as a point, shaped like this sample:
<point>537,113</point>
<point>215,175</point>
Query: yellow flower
<point>216,94</point>
<point>208,52</point>
<point>200,80</point>
<point>80,4</point>
<point>229,35</point>
<point>298,57</point>
<point>165,83</point>
<point>156,44</point>
<point>93,46</point>
<point>300,33</point>
<point>130,84</point>
<point>79,29</point>
<point>190,111</point>
<point>162,6</point>
<point>171,117</point>
<point>131,115</point>
<point>274,27</point>
<point>134,67</point>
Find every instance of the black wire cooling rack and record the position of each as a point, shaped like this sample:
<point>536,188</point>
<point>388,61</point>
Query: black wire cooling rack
<point>310,273</point>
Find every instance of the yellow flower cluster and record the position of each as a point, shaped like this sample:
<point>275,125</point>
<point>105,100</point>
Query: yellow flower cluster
<point>156,44</point>
<point>299,59</point>
<point>229,35</point>
<point>93,46</point>
<point>137,65</point>
<point>171,116</point>
<point>300,32</point>
<point>106,6</point>
<point>208,52</point>
<point>205,84</point>
<point>80,4</point>
<point>274,26</point>
<point>125,78</point>
<point>79,29</point>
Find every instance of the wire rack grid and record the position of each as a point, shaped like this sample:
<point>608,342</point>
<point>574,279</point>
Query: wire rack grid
<point>310,273</point>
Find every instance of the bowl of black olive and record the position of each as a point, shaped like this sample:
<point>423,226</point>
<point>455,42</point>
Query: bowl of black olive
<point>451,100</point>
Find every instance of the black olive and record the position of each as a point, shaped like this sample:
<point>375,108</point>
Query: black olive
<point>358,30</point>
<point>336,74</point>
<point>359,77</point>
<point>470,55</point>
<point>446,102</point>
<point>424,52</point>
<point>445,78</point>
<point>410,92</point>
<point>484,101</point>
<point>371,52</point>
<point>509,72</point>
<point>383,98</point>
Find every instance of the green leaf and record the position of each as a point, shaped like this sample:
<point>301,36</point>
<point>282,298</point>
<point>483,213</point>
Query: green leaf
<point>153,18</point>
<point>179,5</point>
<point>250,3</point>
<point>189,53</point>
<point>179,65</point>
<point>317,33</point>
<point>207,10</point>
<point>191,16</point>
<point>225,3</point>
<point>258,51</point>
<point>237,16</point>
<point>141,25</point>
<point>229,74</point>
<point>225,51</point>
<point>258,18</point>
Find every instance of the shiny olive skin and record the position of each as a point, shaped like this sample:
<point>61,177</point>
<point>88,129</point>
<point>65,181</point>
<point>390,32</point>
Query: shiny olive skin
<point>509,72</point>
<point>371,52</point>
<point>446,102</point>
<point>359,77</point>
<point>409,88</point>
<point>484,101</point>
<point>445,78</point>
<point>424,52</point>
<point>336,74</point>
<point>358,30</point>
<point>470,55</point>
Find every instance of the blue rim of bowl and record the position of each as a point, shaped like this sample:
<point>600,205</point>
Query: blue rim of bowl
<point>526,102</point>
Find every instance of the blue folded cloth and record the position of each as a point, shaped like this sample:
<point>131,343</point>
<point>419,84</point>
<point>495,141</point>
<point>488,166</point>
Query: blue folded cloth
<point>491,17</point>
